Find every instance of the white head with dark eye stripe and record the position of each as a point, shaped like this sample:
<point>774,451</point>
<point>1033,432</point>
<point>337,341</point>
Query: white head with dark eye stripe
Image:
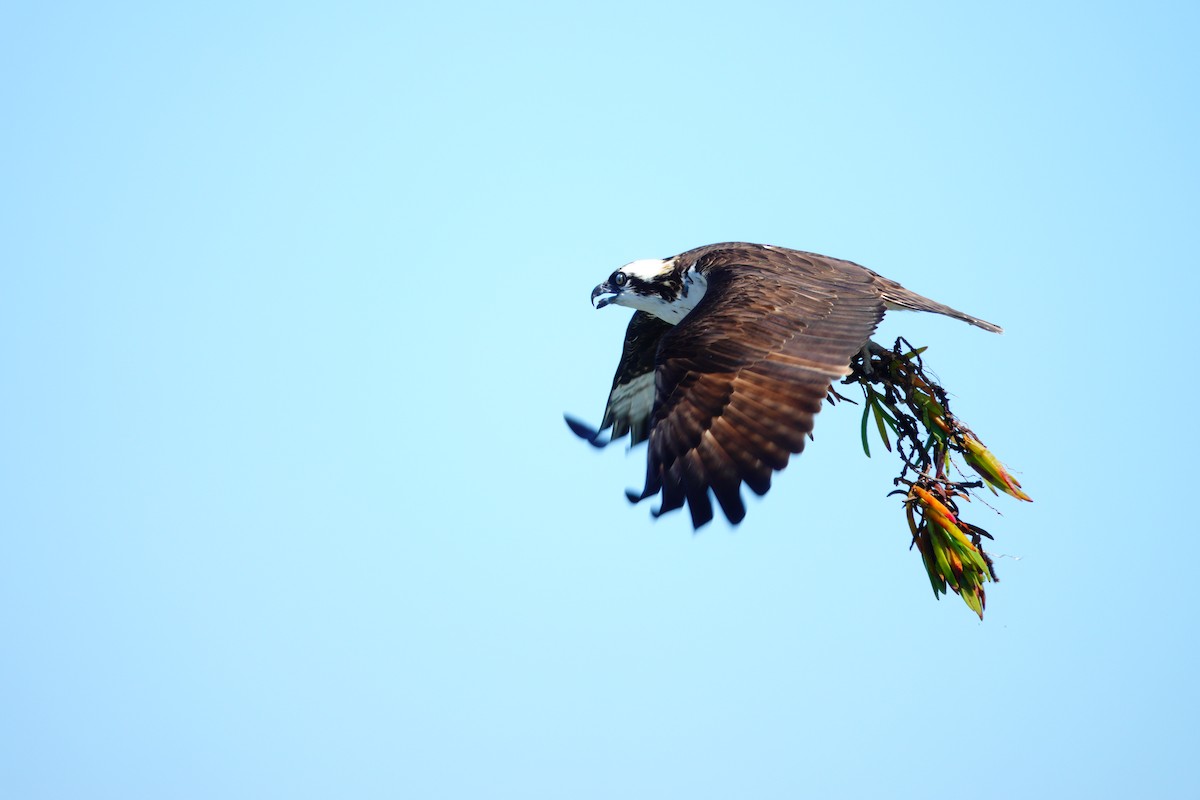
<point>653,285</point>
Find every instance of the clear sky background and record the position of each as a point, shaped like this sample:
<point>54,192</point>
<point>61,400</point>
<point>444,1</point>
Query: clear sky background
<point>292,300</point>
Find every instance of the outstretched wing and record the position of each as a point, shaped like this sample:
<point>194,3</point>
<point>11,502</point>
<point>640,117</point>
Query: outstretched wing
<point>740,378</point>
<point>631,399</point>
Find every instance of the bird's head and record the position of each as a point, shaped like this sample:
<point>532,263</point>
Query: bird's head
<point>653,285</point>
<point>635,282</point>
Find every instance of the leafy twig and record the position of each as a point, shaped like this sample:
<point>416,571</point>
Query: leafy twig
<point>901,397</point>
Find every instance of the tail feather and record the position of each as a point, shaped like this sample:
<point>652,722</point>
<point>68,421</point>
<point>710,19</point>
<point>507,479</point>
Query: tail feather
<point>912,301</point>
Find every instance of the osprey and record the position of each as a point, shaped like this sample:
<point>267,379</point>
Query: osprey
<point>730,353</point>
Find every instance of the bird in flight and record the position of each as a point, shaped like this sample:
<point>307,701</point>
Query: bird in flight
<point>730,353</point>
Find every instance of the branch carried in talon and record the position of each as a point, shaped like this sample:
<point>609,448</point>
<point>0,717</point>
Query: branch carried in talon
<point>903,398</point>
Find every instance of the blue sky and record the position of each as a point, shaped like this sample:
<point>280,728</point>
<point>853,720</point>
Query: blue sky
<point>294,298</point>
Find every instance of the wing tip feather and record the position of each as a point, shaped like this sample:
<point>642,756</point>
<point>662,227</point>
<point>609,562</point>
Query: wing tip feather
<point>586,432</point>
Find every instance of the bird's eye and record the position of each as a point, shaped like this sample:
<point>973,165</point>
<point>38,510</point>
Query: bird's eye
<point>620,278</point>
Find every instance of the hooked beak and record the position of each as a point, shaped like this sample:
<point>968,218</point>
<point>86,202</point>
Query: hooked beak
<point>604,294</point>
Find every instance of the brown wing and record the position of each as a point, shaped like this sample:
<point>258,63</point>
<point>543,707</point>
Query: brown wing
<point>739,380</point>
<point>631,400</point>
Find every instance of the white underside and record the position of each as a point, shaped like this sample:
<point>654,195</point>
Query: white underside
<point>635,399</point>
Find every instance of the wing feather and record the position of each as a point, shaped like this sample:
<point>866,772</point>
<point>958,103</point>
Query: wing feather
<point>723,477</point>
<point>739,379</point>
<point>631,399</point>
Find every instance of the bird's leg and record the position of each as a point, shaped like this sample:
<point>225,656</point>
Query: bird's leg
<point>865,355</point>
<point>861,368</point>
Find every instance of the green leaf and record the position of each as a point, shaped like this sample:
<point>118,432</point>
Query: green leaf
<point>879,424</point>
<point>866,414</point>
<point>939,585</point>
<point>890,418</point>
<point>939,555</point>
<point>972,600</point>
